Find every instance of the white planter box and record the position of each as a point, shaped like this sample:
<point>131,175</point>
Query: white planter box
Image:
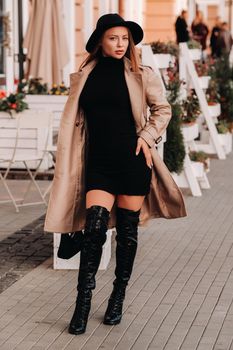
<point>28,139</point>
<point>73,263</point>
<point>195,54</point>
<point>198,168</point>
<point>180,179</point>
<point>204,81</point>
<point>215,110</point>
<point>208,146</point>
<point>50,103</point>
<point>163,60</point>
<point>190,132</point>
<point>226,141</point>
<point>205,136</point>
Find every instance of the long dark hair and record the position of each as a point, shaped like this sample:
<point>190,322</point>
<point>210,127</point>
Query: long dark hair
<point>131,53</point>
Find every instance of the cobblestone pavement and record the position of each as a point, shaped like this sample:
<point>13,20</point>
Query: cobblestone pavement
<point>179,297</point>
<point>22,251</point>
<point>10,221</point>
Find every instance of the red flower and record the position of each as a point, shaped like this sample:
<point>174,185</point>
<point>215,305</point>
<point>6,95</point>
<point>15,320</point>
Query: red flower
<point>13,105</point>
<point>2,93</point>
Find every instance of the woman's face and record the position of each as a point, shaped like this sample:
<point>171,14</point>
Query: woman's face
<point>115,42</point>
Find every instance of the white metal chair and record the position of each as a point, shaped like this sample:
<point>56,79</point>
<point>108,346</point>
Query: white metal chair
<point>24,140</point>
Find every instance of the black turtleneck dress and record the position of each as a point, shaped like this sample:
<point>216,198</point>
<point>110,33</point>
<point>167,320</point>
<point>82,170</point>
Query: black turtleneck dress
<point>112,164</point>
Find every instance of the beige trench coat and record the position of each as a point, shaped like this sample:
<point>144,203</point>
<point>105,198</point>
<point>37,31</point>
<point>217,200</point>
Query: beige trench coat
<point>66,208</point>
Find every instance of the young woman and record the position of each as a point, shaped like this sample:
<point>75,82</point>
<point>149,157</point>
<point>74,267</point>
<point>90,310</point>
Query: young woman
<point>108,173</point>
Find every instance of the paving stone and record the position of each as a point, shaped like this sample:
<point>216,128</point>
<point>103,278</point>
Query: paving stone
<point>22,251</point>
<point>179,297</point>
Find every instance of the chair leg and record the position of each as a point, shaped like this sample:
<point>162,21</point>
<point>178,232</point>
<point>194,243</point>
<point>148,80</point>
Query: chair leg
<point>32,176</point>
<point>47,190</point>
<point>3,178</point>
<point>33,181</point>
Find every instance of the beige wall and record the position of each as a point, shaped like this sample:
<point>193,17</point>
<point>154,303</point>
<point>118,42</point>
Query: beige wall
<point>79,39</point>
<point>159,19</point>
<point>212,13</point>
<point>80,52</point>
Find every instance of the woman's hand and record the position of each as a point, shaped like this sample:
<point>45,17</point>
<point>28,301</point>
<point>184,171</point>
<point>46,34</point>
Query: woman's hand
<point>145,148</point>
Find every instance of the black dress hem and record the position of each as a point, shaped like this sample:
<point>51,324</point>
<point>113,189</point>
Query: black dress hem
<point>102,188</point>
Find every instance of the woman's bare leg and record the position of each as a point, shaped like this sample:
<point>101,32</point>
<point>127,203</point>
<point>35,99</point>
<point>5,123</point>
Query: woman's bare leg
<point>130,202</point>
<point>99,197</point>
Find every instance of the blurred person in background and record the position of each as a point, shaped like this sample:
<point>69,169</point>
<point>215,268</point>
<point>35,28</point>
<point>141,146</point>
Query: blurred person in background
<point>214,37</point>
<point>200,31</point>
<point>224,41</point>
<point>181,27</point>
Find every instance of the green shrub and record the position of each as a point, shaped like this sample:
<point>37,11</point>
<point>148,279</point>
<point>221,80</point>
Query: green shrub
<point>167,48</point>
<point>222,127</point>
<point>191,108</point>
<point>199,156</point>
<point>222,73</point>
<point>174,150</point>
<point>193,44</point>
<point>12,103</point>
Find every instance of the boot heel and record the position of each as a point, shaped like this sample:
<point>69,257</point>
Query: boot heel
<point>113,314</point>
<point>78,322</point>
<point>112,322</point>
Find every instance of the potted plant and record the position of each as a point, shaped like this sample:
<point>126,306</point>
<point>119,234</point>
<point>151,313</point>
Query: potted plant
<point>39,97</point>
<point>190,112</point>
<point>33,86</point>
<point>174,149</point>
<point>213,98</point>
<point>225,135</point>
<point>164,53</point>
<point>222,127</point>
<point>191,108</point>
<point>170,48</point>
<point>13,103</point>
<point>200,162</point>
<point>194,49</point>
<point>222,72</point>
<point>202,70</point>
<point>59,90</point>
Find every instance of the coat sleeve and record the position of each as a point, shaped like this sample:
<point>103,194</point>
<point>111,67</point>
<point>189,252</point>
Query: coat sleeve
<point>160,110</point>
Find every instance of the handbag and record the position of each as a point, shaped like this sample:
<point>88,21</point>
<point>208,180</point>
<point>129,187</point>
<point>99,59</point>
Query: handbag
<point>70,244</point>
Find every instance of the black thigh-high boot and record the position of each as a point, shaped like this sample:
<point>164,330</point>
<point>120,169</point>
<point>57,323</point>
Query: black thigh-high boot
<point>94,237</point>
<point>127,233</point>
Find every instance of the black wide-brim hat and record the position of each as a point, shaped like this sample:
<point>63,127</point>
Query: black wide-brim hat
<point>109,21</point>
